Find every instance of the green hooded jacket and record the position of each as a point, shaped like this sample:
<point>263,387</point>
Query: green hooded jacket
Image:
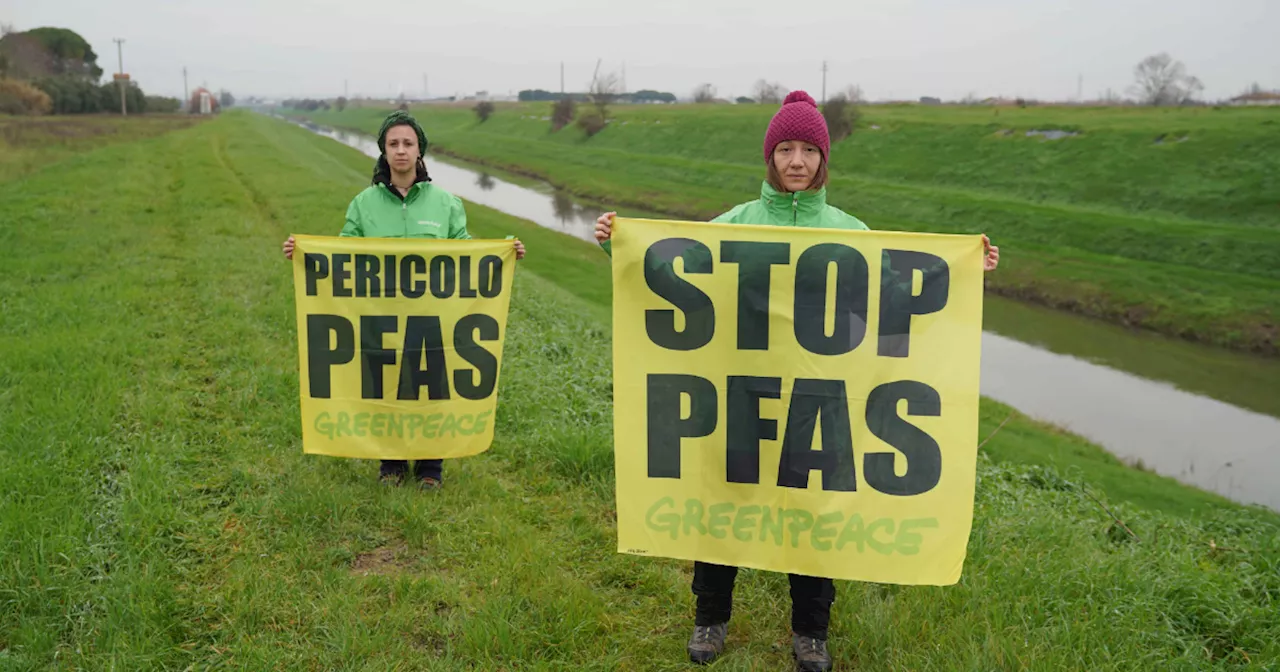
<point>804,208</point>
<point>426,212</point>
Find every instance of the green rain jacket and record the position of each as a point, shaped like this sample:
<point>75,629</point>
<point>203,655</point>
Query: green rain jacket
<point>803,208</point>
<point>426,212</point>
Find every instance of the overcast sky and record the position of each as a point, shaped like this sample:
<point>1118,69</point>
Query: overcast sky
<point>892,48</point>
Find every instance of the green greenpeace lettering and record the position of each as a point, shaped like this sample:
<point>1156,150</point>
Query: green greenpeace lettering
<point>400,425</point>
<point>826,532</point>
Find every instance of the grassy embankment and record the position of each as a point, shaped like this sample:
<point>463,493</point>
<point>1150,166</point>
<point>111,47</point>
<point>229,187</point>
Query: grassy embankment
<point>159,513</point>
<point>31,143</point>
<point>1163,219</point>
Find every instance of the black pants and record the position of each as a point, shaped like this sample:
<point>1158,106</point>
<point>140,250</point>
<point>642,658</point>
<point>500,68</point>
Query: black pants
<point>811,599</point>
<point>424,468</point>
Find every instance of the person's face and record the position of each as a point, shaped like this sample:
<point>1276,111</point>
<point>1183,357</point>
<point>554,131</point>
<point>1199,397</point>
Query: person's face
<point>797,163</point>
<point>401,148</point>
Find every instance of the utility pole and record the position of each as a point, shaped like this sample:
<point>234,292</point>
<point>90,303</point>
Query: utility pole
<point>562,78</point>
<point>824,82</point>
<point>186,94</point>
<point>624,76</point>
<point>120,80</point>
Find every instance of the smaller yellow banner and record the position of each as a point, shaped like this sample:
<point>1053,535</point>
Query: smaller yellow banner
<point>400,344</point>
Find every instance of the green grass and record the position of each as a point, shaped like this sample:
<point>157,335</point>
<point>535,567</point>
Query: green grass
<point>31,143</point>
<point>1179,237</point>
<point>159,512</point>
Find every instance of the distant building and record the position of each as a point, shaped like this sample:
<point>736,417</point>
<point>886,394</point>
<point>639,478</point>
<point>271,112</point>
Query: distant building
<point>1260,98</point>
<point>202,102</point>
<point>930,100</point>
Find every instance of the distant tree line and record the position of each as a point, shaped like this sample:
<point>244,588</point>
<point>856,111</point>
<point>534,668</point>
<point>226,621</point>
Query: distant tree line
<point>54,70</point>
<point>643,96</point>
<point>312,104</point>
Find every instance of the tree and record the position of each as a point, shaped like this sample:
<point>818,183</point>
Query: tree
<point>649,95</point>
<point>603,91</point>
<point>537,96</point>
<point>76,95</point>
<point>71,54</point>
<point>562,113</point>
<point>26,57</point>
<point>1160,80</point>
<point>483,110</point>
<point>225,99</point>
<point>768,93</point>
<point>340,103</point>
<point>852,93</point>
<point>162,104</point>
<point>1253,90</point>
<point>743,100</point>
<point>842,116</point>
<point>705,93</point>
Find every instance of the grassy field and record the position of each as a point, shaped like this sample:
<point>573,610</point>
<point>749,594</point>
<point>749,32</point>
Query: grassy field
<point>31,143</point>
<point>1163,219</point>
<point>159,512</point>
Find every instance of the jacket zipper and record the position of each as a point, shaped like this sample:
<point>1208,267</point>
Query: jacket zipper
<point>795,209</point>
<point>404,211</point>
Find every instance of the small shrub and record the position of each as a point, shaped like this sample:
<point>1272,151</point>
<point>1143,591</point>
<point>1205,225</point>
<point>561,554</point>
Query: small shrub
<point>842,117</point>
<point>562,113</point>
<point>591,123</point>
<point>483,110</point>
<point>18,97</point>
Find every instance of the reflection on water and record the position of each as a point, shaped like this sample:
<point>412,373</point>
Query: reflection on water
<point>1196,439</point>
<point>547,207</point>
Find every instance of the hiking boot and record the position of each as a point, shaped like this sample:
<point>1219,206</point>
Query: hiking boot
<point>707,642</point>
<point>429,483</point>
<point>811,654</point>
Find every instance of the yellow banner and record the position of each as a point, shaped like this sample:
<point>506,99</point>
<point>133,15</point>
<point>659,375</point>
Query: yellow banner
<point>795,399</point>
<point>400,344</point>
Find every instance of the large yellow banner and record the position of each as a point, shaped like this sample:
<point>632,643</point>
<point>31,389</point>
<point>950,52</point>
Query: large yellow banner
<point>400,344</point>
<point>798,400</point>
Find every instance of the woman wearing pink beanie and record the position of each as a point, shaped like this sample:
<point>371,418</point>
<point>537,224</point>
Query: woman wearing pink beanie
<point>797,146</point>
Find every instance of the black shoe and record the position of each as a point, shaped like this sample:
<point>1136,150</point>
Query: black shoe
<point>707,642</point>
<point>392,474</point>
<point>811,654</point>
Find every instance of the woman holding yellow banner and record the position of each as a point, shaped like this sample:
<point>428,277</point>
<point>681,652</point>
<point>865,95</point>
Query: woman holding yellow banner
<point>796,150</point>
<point>401,202</point>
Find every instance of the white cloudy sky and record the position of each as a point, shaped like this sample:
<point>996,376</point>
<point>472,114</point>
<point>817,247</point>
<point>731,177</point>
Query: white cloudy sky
<point>892,48</point>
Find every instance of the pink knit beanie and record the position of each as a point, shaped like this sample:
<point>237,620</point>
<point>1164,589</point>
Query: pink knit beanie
<point>798,119</point>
